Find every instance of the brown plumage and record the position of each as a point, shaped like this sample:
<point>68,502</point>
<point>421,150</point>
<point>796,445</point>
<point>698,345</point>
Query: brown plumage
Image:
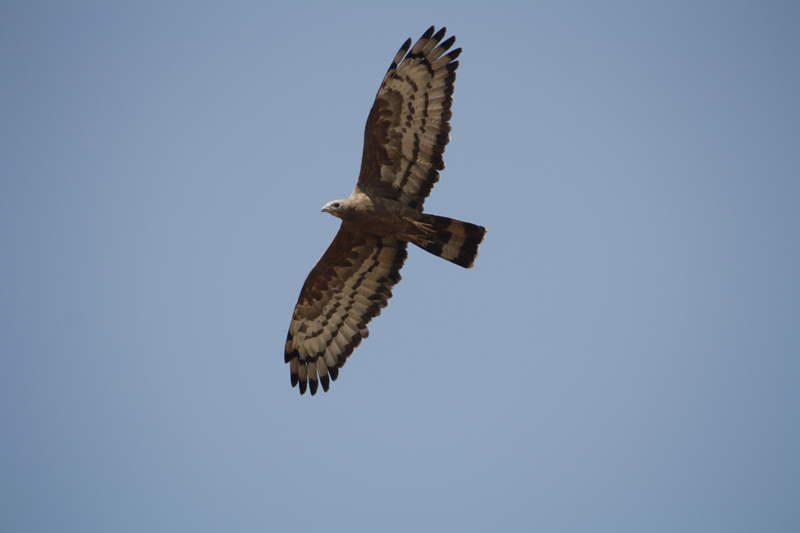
<point>404,139</point>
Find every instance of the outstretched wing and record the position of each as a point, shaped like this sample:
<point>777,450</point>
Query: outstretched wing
<point>407,128</point>
<point>347,288</point>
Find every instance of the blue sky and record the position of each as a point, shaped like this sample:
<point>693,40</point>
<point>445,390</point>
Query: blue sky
<point>623,356</point>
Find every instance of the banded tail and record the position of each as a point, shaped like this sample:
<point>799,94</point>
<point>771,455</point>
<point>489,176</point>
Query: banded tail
<point>453,240</point>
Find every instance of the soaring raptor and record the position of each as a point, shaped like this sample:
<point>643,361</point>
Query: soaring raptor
<point>404,139</point>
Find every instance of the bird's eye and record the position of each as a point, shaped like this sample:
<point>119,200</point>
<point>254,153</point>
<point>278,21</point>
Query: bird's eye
<point>336,204</point>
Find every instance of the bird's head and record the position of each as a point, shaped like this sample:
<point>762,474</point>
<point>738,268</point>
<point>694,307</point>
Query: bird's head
<point>337,208</point>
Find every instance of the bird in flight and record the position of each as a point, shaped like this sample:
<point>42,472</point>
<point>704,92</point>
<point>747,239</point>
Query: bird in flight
<point>404,139</point>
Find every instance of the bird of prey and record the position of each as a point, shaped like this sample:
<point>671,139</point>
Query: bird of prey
<point>404,139</point>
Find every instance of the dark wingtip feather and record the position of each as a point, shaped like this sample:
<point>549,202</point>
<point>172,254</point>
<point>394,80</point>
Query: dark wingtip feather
<point>399,56</point>
<point>313,384</point>
<point>448,42</point>
<point>303,386</point>
<point>326,382</point>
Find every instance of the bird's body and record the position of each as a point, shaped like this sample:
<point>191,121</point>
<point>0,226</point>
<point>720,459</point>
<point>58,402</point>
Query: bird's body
<point>404,139</point>
<point>384,217</point>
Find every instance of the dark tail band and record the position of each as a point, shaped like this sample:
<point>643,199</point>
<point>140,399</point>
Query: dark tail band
<point>454,240</point>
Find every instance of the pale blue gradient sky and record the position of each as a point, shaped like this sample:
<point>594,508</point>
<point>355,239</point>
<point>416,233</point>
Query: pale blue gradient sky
<point>623,357</point>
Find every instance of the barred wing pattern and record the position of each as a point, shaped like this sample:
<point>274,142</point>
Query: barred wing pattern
<point>405,136</point>
<point>347,288</point>
<point>407,129</point>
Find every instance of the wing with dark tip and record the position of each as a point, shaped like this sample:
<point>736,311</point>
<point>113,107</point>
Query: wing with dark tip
<point>407,128</point>
<point>347,288</point>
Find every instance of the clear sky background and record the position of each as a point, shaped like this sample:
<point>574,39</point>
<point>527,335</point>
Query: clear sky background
<point>625,355</point>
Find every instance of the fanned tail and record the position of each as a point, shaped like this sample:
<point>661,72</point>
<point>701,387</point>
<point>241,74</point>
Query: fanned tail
<point>453,240</point>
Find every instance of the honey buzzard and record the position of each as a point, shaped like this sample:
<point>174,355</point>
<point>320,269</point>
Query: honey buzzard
<point>404,139</point>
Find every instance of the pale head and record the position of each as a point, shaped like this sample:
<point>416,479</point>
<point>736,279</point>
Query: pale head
<point>338,208</point>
